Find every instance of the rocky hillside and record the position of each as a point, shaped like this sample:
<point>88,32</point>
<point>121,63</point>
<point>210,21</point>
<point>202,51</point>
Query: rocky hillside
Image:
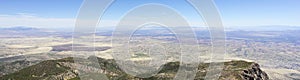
<point>64,69</point>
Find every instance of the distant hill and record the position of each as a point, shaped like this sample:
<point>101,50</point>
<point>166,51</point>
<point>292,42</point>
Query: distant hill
<point>24,31</point>
<point>19,28</point>
<point>63,69</point>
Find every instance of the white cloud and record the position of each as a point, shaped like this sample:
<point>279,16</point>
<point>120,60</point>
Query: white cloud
<point>24,19</point>
<point>31,20</point>
<point>34,21</point>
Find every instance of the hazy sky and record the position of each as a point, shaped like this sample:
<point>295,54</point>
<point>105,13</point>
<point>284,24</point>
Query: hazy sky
<point>62,13</point>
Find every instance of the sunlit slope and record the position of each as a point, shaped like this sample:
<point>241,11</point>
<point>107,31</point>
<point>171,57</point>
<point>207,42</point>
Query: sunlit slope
<point>64,69</point>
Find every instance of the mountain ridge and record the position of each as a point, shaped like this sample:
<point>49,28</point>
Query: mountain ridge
<point>64,69</point>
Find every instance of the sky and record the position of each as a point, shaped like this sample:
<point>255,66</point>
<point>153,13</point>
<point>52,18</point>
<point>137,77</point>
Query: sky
<point>62,13</point>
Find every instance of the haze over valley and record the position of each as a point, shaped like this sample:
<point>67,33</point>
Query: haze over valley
<point>276,51</point>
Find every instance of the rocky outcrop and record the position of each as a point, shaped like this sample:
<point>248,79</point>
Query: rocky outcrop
<point>63,76</point>
<point>254,73</point>
<point>65,69</point>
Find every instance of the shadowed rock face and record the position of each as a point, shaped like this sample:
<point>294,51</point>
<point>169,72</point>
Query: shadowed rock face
<point>254,73</point>
<point>64,69</point>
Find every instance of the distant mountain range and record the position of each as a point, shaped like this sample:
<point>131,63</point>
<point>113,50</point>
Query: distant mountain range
<point>24,31</point>
<point>19,28</point>
<point>263,28</point>
<point>256,33</point>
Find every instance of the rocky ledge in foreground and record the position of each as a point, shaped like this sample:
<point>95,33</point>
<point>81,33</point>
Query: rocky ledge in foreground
<point>64,69</point>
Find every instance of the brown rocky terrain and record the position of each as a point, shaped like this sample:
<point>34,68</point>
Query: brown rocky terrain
<point>66,69</point>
